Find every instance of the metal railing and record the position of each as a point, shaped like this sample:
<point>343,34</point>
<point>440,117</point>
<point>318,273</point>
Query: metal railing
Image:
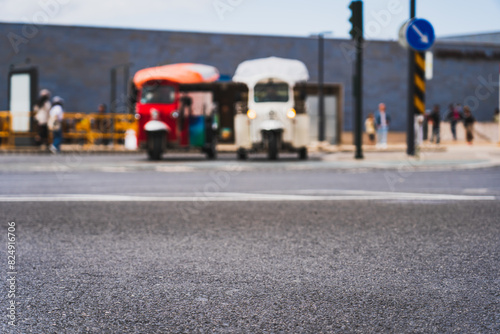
<point>81,128</point>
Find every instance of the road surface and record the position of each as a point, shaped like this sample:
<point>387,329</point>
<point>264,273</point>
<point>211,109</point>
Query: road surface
<point>265,248</point>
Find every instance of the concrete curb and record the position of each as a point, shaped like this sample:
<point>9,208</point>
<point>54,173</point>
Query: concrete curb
<point>222,148</point>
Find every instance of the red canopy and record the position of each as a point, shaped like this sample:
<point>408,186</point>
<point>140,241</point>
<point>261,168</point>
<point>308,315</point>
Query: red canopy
<point>185,73</point>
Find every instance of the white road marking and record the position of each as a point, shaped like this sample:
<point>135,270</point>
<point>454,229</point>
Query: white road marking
<point>169,169</point>
<point>248,197</point>
<point>475,191</point>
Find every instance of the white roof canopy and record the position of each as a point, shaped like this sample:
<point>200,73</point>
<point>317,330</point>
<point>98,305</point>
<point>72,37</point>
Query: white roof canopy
<point>252,71</point>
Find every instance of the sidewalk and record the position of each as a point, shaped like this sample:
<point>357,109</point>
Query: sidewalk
<point>448,155</point>
<point>231,148</point>
<point>452,156</point>
<point>321,157</point>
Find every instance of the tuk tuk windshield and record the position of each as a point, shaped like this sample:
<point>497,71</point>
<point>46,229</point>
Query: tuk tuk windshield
<point>271,92</point>
<point>162,94</point>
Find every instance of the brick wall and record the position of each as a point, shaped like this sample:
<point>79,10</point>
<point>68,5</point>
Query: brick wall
<point>75,63</point>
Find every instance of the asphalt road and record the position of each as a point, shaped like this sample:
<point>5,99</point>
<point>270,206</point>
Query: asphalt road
<point>226,249</point>
<point>192,174</point>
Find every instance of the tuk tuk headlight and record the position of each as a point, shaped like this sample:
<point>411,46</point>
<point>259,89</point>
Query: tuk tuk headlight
<point>291,113</point>
<point>251,114</point>
<point>154,114</point>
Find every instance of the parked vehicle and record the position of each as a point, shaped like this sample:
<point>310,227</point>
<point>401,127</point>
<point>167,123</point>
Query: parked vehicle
<point>171,116</point>
<point>274,116</point>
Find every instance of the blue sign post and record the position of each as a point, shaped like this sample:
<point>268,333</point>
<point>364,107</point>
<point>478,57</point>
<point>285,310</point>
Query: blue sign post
<point>420,34</point>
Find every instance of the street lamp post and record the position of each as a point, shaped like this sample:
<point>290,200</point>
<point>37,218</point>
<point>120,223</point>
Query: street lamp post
<point>321,97</point>
<point>356,33</point>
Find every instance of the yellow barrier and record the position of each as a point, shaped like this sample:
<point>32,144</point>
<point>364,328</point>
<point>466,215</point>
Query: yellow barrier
<point>95,129</point>
<point>86,129</point>
<point>75,127</point>
<point>106,128</point>
<point>123,123</point>
<point>6,138</point>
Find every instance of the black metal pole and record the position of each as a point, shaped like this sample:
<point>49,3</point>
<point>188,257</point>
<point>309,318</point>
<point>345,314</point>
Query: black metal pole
<point>126,74</point>
<point>321,97</point>
<point>358,101</point>
<point>410,130</point>
<point>113,91</point>
<point>413,8</point>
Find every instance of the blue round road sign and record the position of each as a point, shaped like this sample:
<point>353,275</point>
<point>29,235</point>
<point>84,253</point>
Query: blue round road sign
<point>420,34</point>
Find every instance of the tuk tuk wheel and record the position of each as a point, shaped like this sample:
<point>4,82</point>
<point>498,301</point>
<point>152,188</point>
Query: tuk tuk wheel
<point>210,147</point>
<point>272,152</point>
<point>242,154</point>
<point>212,151</point>
<point>303,153</point>
<point>211,154</point>
<point>155,145</point>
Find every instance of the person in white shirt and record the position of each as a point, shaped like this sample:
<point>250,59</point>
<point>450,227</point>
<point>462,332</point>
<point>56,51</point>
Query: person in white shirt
<point>55,123</point>
<point>42,110</point>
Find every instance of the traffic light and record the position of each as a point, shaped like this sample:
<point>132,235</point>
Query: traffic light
<point>356,20</point>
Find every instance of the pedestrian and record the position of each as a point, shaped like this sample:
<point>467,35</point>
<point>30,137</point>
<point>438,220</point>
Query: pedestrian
<point>469,125</point>
<point>454,116</point>
<point>419,129</point>
<point>103,124</point>
<point>435,116</point>
<point>496,115</point>
<point>426,124</point>
<point>370,128</point>
<point>55,123</point>
<point>42,110</point>
<point>382,121</point>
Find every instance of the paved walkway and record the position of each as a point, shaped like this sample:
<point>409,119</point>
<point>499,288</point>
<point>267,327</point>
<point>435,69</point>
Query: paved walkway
<point>452,156</point>
<point>320,158</point>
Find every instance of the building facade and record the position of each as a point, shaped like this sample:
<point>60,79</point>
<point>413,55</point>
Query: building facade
<point>75,63</point>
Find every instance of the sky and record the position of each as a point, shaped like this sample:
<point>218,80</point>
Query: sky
<point>382,18</point>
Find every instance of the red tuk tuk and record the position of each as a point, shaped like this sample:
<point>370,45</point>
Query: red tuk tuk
<point>170,118</point>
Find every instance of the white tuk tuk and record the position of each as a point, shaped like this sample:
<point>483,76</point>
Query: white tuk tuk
<point>273,117</point>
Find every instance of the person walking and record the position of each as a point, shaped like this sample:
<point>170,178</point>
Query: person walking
<point>454,116</point>
<point>469,121</point>
<point>55,123</point>
<point>42,110</point>
<point>425,129</point>
<point>435,116</point>
<point>370,128</point>
<point>382,121</point>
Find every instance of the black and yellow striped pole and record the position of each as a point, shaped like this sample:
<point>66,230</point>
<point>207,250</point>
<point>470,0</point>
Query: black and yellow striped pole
<point>410,125</point>
<point>418,36</point>
<point>419,84</point>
